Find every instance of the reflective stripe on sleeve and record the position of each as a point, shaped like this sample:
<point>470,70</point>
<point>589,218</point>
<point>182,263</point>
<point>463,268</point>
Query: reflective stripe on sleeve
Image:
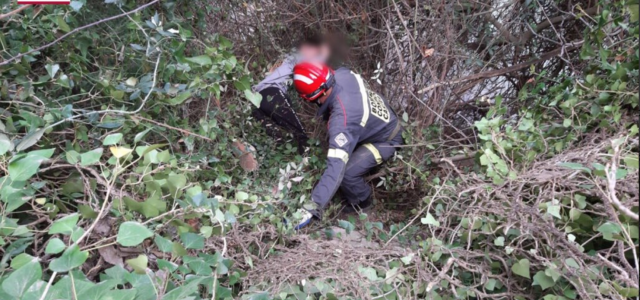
<point>375,152</point>
<point>365,100</point>
<point>339,153</point>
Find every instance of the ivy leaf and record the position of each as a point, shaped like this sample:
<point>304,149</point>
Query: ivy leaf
<point>112,139</point>
<point>201,60</point>
<point>30,140</point>
<point>54,246</point>
<point>608,231</point>
<point>19,281</point>
<point>348,226</point>
<point>138,264</point>
<point>23,168</point>
<point>140,135</point>
<point>132,234</point>
<point>630,161</point>
<point>91,157</point>
<point>554,210</point>
<point>119,152</point>
<point>572,263</point>
<point>179,98</point>
<point>430,220</point>
<point>491,284</point>
<point>76,5</point>
<point>192,240</point>
<point>369,273</point>
<point>5,144</point>
<point>254,98</point>
<point>242,196</point>
<point>521,268</point>
<point>164,245</point>
<point>72,156</point>
<point>71,258</point>
<point>543,280</point>
<point>65,225</point>
<point>499,241</point>
<point>52,69</point>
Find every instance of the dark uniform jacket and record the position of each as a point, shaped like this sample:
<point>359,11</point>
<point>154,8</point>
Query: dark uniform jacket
<point>357,115</point>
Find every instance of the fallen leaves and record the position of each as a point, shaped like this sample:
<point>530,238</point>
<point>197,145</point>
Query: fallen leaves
<point>247,160</point>
<point>426,52</point>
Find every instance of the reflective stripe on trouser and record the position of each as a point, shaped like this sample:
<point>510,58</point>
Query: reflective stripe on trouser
<point>354,188</point>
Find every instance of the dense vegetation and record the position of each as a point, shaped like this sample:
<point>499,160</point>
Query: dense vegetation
<point>131,169</point>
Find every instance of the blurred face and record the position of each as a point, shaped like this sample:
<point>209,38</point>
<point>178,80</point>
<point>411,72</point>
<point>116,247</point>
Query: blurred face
<point>314,52</point>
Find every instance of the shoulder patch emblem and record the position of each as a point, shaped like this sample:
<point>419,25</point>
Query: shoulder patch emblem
<point>341,139</point>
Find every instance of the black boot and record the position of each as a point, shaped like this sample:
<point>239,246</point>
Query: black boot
<point>363,206</point>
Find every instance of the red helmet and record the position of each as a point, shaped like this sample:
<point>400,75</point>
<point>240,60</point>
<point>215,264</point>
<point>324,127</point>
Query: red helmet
<point>312,79</point>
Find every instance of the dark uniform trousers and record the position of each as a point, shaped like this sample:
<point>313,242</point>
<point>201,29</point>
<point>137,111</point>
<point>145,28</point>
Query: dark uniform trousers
<point>364,158</point>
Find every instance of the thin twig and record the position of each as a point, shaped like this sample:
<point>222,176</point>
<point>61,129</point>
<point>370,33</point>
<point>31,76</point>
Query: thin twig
<point>17,10</point>
<point>6,62</point>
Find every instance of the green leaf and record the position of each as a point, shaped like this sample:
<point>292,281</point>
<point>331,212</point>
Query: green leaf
<point>76,5</point>
<point>625,292</point>
<point>254,98</point>
<point>553,273</point>
<point>543,280</point>
<point>179,98</point>
<point>141,135</point>
<point>62,24</point>
<point>581,201</point>
<point>19,281</point>
<point>54,246</point>
<point>369,273</point>
<point>132,234</point>
<point>52,70</point>
<point>242,196</point>
<point>5,144</point>
<point>138,264</point>
<point>21,260</point>
<point>348,226</point>
<point>572,263</point>
<point>608,231</point>
<point>91,157</point>
<point>406,260</point>
<point>30,140</point>
<point>499,241</point>
<point>192,240</point>
<point>201,60</point>
<point>521,268</point>
<point>177,181</point>
<point>73,157</point>
<point>491,284</point>
<point>206,231</point>
<point>112,139</point>
<point>71,258</point>
<point>164,245</point>
<point>430,220</point>
<point>631,161</point>
<point>554,210</point>
<point>77,234</point>
<point>23,168</point>
<point>65,225</point>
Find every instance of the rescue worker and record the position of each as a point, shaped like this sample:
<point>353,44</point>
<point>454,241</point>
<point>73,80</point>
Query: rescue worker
<point>275,107</point>
<point>363,133</point>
